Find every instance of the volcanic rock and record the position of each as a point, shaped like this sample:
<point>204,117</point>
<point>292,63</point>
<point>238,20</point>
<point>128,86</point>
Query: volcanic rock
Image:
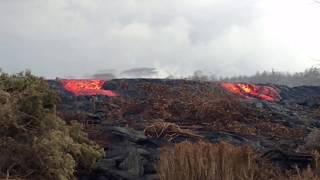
<point>117,123</point>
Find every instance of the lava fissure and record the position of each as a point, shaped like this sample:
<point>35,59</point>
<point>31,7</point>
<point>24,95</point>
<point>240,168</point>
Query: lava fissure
<point>265,93</point>
<point>87,88</point>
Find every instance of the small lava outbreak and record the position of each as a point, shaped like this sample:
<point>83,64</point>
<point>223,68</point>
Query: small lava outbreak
<point>95,87</point>
<point>87,88</point>
<point>265,93</point>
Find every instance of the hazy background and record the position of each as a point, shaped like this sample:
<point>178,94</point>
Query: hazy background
<point>76,38</point>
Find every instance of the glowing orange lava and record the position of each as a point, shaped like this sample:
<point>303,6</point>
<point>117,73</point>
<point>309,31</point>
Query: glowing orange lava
<point>265,93</point>
<point>87,87</point>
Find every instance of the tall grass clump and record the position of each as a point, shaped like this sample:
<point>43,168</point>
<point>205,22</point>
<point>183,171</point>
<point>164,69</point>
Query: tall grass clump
<point>223,161</point>
<point>206,161</point>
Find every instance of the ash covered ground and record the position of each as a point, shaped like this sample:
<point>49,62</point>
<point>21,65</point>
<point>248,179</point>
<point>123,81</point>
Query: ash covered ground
<point>147,114</point>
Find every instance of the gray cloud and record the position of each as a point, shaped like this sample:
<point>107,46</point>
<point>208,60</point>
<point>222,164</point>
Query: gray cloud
<point>77,37</point>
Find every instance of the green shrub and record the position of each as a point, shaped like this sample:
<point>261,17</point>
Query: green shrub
<point>34,142</point>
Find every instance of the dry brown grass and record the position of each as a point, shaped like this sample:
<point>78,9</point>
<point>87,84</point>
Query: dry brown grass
<point>205,161</point>
<point>307,174</point>
<point>168,130</point>
<point>202,104</point>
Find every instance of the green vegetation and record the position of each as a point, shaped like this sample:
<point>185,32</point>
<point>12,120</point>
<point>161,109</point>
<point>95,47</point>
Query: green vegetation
<point>34,142</point>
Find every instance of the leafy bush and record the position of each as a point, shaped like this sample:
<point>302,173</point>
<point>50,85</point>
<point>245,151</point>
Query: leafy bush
<point>34,142</point>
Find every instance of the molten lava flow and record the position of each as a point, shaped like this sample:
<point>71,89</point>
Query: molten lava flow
<point>87,87</point>
<point>265,93</point>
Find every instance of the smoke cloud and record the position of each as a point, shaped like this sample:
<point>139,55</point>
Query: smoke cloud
<point>224,37</point>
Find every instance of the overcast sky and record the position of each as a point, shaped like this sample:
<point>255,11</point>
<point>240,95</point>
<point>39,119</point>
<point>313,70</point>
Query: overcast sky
<point>224,37</point>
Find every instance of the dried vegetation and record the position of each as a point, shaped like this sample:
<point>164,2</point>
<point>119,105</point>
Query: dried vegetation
<point>188,161</point>
<point>202,104</point>
<point>168,130</point>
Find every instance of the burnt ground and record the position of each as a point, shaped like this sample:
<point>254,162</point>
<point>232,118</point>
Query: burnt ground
<point>277,130</point>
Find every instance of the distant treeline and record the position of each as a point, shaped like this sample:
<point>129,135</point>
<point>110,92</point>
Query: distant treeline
<point>310,77</point>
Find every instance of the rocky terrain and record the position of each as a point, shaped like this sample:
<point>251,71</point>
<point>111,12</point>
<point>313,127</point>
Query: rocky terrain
<point>142,115</point>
